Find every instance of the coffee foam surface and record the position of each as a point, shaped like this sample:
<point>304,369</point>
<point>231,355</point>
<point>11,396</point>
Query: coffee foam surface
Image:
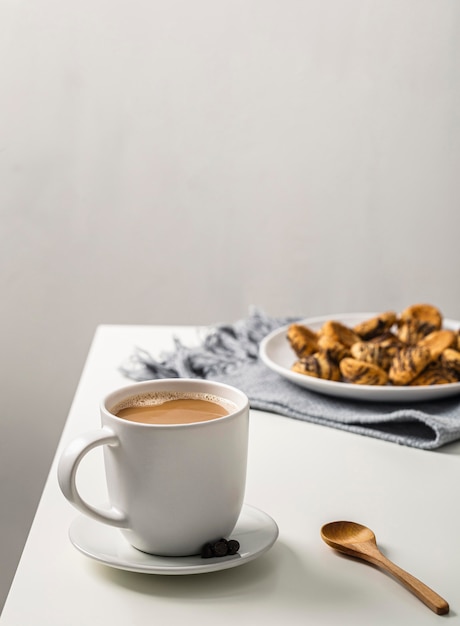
<point>159,397</point>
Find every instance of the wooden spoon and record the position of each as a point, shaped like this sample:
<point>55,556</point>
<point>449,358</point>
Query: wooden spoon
<point>358,541</point>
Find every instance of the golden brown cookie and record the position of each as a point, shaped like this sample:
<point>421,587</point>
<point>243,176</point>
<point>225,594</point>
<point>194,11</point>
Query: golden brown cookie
<point>386,348</point>
<point>340,333</point>
<point>303,340</point>
<point>389,341</point>
<point>318,365</point>
<point>437,342</point>
<point>371,352</point>
<point>375,325</point>
<point>337,350</point>
<point>424,313</point>
<point>435,374</point>
<point>450,359</point>
<point>412,331</point>
<point>361,373</point>
<point>408,363</point>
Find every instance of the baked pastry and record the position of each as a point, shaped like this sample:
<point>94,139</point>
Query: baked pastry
<point>437,342</point>
<point>319,365</point>
<point>376,325</point>
<point>362,373</point>
<point>412,331</point>
<point>435,374</point>
<point>423,313</point>
<point>389,341</point>
<point>408,363</point>
<point>384,349</point>
<point>417,321</point>
<point>340,333</point>
<point>450,359</point>
<point>371,352</point>
<point>303,340</point>
<point>336,349</point>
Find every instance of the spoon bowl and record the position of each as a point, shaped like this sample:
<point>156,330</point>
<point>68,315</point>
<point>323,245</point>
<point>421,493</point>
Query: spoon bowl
<point>359,541</point>
<point>339,535</point>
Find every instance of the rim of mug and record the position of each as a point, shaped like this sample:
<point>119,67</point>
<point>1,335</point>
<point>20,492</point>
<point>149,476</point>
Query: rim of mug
<point>113,398</point>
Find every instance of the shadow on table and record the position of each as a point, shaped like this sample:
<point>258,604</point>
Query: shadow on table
<point>258,576</point>
<point>279,575</point>
<point>450,448</point>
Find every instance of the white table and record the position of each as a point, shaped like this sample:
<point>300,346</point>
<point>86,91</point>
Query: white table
<point>303,475</point>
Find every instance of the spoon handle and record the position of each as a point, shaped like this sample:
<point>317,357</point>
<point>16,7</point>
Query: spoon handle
<point>422,591</point>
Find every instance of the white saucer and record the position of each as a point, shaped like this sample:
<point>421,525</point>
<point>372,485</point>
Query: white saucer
<point>255,530</point>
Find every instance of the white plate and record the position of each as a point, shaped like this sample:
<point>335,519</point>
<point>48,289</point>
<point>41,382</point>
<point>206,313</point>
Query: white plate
<point>278,355</point>
<point>255,530</point>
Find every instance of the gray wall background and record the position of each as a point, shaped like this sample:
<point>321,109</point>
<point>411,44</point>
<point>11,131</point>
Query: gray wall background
<point>175,161</point>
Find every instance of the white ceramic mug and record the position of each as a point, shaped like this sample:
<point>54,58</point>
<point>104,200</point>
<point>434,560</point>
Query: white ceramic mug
<point>172,488</point>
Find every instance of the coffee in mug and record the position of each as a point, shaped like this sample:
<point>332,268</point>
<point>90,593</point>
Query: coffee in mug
<point>173,408</point>
<point>175,456</point>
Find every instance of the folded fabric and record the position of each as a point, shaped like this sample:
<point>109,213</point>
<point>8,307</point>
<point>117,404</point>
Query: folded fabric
<point>229,353</point>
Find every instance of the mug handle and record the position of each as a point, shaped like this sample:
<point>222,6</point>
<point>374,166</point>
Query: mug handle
<point>67,473</point>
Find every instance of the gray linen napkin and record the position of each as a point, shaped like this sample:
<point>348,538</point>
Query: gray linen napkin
<point>229,354</point>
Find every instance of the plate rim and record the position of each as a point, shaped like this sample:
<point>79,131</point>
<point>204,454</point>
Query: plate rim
<point>208,565</point>
<point>349,390</point>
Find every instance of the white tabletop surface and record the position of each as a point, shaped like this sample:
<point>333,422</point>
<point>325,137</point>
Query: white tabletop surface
<point>301,474</point>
